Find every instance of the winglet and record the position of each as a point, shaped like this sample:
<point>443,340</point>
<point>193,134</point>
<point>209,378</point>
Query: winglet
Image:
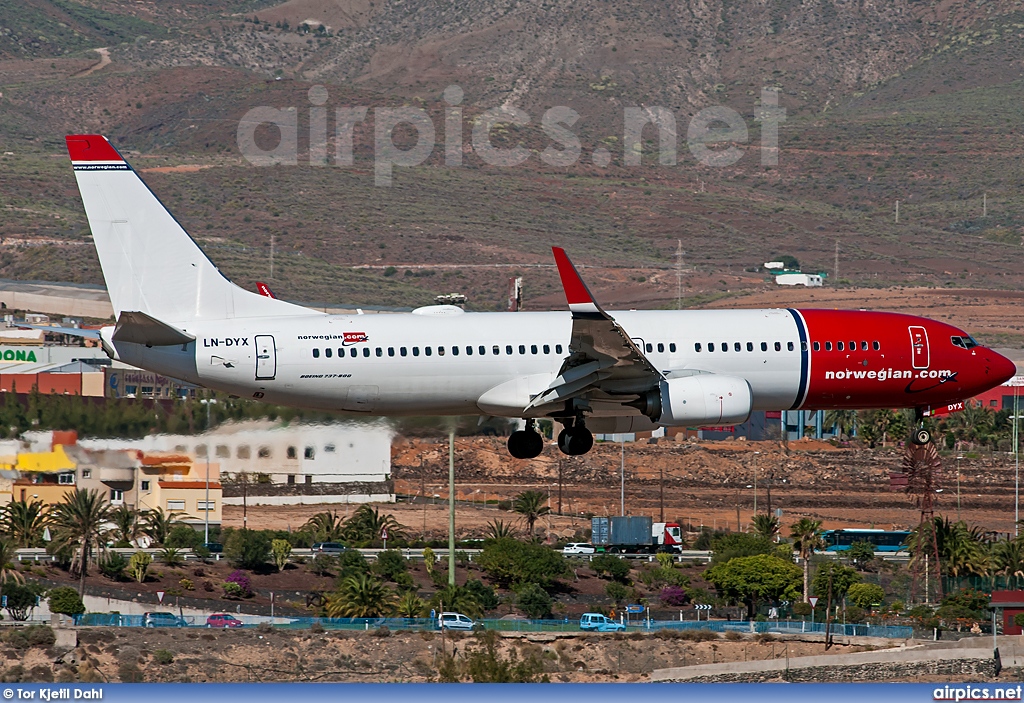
<point>263,289</point>
<point>577,294</point>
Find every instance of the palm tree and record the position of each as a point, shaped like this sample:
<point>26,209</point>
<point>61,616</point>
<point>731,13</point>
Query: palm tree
<point>766,525</point>
<point>458,599</point>
<point>157,525</point>
<point>326,526</point>
<point>8,552</point>
<point>128,525</point>
<point>843,421</point>
<point>367,524</point>
<point>499,529</point>
<point>1008,557</point>
<point>806,538</point>
<point>360,596</point>
<point>25,522</point>
<point>531,505</point>
<point>78,521</point>
<point>410,605</point>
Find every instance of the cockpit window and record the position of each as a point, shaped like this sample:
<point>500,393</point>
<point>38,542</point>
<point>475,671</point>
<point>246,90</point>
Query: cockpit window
<point>963,342</point>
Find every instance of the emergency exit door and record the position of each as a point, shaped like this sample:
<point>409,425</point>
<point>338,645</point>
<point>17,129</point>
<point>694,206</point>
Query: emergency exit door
<point>919,352</point>
<point>266,358</point>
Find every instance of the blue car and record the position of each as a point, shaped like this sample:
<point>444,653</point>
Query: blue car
<point>595,622</point>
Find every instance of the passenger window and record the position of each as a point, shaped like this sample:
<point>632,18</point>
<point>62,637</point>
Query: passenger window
<point>737,347</point>
<point>533,348</point>
<point>391,351</point>
<point>750,346</point>
<point>316,353</point>
<point>353,352</point>
<point>483,350</point>
<point>380,352</point>
<point>875,346</point>
<point>828,346</point>
<point>789,346</point>
<point>558,348</point>
<point>803,346</point>
<point>696,346</point>
<point>649,347</point>
<point>778,346</point>
<point>711,346</point>
<point>496,349</point>
<point>508,349</point>
<point>853,346</point>
<point>817,346</point>
<point>522,348</point>
<point>428,350</point>
<point>440,351</point>
<point>469,350</point>
<point>547,349</point>
<point>839,346</point>
<point>366,351</point>
<point>672,347</point>
<point>764,346</point>
<point>403,351</point>
<point>863,346</point>
<point>661,348</point>
<point>328,353</point>
<point>725,346</point>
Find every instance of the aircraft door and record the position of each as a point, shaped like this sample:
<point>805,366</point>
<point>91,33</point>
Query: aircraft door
<point>919,352</point>
<point>266,358</point>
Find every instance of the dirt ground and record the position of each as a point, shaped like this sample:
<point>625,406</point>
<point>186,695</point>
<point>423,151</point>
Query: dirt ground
<point>268,655</point>
<point>706,483</point>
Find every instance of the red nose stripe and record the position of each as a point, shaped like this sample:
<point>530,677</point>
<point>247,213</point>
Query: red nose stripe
<point>91,147</point>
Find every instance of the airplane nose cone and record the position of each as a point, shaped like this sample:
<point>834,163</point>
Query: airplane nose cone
<point>1000,369</point>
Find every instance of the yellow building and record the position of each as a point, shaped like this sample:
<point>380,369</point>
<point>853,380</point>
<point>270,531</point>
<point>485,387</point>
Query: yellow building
<point>45,476</point>
<point>178,483</point>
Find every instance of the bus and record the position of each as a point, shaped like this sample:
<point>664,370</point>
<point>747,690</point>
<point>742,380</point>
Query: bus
<point>884,541</point>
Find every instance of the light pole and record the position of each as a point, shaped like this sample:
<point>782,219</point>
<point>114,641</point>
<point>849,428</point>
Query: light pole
<point>622,480</point>
<point>755,482</point>
<point>958,458</point>
<point>206,532</point>
<point>1016,462</point>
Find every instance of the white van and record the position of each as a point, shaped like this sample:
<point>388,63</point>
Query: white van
<point>455,621</point>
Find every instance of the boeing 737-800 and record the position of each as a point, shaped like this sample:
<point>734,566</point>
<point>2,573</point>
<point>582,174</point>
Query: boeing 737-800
<point>585,368</point>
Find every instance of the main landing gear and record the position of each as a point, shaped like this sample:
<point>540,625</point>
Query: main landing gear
<point>526,444</point>
<point>575,439</point>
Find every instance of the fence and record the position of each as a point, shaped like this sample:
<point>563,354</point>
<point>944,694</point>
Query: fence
<point>520,625</point>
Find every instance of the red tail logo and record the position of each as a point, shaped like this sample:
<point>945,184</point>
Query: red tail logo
<point>263,289</point>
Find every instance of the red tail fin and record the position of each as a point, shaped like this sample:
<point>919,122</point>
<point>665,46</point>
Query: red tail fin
<point>263,289</point>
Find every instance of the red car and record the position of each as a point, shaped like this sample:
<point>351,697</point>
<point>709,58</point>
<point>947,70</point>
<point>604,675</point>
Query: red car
<point>223,620</point>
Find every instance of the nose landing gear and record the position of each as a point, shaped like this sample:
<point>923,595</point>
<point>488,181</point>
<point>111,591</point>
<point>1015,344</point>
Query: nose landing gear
<point>526,444</point>
<point>920,436</point>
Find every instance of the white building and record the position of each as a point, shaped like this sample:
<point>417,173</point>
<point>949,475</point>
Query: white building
<point>798,279</point>
<point>287,454</point>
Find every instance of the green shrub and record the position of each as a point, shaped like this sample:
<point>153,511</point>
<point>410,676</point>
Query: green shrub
<point>281,549</point>
<point>163,657</point>
<point>171,556</point>
<point>232,590</point>
<point>483,593</point>
<point>390,565</point>
<point>65,600</point>
<point>865,595</point>
<point>617,591</point>
<point>113,565</point>
<point>184,537</point>
<point>534,601</point>
<point>322,564</point>
<point>247,549</point>
<point>611,566</point>
<point>138,565</point>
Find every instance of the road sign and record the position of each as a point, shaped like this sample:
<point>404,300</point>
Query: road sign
<point>160,596</point>
<point>702,606</point>
<point>384,533</point>
<point>634,609</point>
<point>814,601</point>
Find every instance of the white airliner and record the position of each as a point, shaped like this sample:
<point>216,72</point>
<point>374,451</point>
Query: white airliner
<point>584,368</point>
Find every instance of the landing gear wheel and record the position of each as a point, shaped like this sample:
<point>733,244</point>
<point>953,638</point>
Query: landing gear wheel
<point>575,440</point>
<point>921,436</point>
<point>525,444</point>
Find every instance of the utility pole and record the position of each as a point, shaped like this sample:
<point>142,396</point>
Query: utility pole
<point>835,269</point>
<point>958,458</point>
<point>423,494</point>
<point>451,505</point>
<point>622,480</point>
<point>560,460</point>
<point>661,493</point>
<point>679,275</point>
<point>897,212</point>
<point>984,204</point>
<point>755,482</point>
<point>245,499</point>
<point>206,531</point>
<point>271,256</point>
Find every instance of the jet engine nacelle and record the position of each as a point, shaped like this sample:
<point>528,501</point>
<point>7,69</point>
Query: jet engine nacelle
<point>703,399</point>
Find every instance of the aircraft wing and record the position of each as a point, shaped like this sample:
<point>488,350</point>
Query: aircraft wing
<point>602,358</point>
<point>70,331</point>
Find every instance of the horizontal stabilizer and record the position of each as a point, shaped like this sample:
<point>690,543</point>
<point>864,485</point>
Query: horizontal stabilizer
<point>70,331</point>
<point>139,328</point>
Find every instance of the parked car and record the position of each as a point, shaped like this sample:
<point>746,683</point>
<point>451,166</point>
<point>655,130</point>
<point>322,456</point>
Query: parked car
<point>329,548</point>
<point>578,548</point>
<point>455,621</point>
<point>595,622</point>
<point>161,619</point>
<point>223,620</point>
<point>214,547</point>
